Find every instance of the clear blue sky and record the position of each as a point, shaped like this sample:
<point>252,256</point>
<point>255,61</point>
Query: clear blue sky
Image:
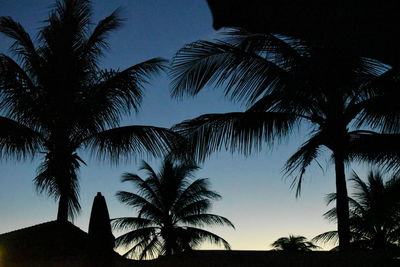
<point>255,197</point>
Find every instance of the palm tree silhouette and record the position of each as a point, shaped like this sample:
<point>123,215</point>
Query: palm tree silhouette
<point>293,244</point>
<point>284,83</point>
<point>374,213</point>
<point>56,100</point>
<point>171,207</point>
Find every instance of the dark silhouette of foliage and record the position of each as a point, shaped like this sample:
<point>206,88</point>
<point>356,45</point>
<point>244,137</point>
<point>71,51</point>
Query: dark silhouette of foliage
<point>380,149</point>
<point>293,244</point>
<point>56,100</point>
<point>171,208</point>
<point>284,83</point>
<point>374,213</point>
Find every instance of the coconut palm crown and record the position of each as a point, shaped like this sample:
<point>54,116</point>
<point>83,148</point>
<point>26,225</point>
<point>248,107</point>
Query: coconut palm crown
<point>284,83</point>
<point>293,243</point>
<point>374,213</point>
<point>55,100</point>
<point>172,208</point>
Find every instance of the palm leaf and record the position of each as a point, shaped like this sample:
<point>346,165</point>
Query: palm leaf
<point>197,190</point>
<point>191,208</point>
<point>144,187</point>
<point>125,141</point>
<point>134,236</point>
<point>245,74</point>
<point>382,149</point>
<point>124,89</point>
<point>239,131</point>
<point>303,157</point>
<point>58,177</point>
<point>18,140</point>
<point>23,46</point>
<point>146,208</point>
<point>126,223</point>
<point>330,236</point>
<point>200,234</point>
<point>96,43</point>
<point>205,219</point>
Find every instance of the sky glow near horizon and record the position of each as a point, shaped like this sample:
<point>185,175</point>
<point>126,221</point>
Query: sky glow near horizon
<point>254,195</point>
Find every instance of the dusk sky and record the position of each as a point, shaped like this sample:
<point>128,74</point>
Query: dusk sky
<point>256,197</point>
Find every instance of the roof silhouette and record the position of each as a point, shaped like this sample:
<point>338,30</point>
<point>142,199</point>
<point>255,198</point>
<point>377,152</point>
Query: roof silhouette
<point>61,242</point>
<point>50,239</point>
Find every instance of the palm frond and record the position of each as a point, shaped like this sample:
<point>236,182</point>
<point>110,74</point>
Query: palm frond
<point>13,76</point>
<point>123,90</point>
<point>146,208</point>
<point>203,235</point>
<point>151,249</point>
<point>23,46</point>
<point>135,236</point>
<point>284,50</point>
<point>197,190</point>
<point>205,219</point>
<point>194,207</point>
<point>244,74</point>
<point>125,223</point>
<point>18,140</point>
<point>132,141</point>
<point>381,149</point>
<point>67,25</point>
<point>144,187</point>
<point>19,95</point>
<point>237,131</point>
<point>96,43</point>
<point>330,236</point>
<point>378,109</point>
<point>303,157</point>
<point>362,190</point>
<point>58,177</point>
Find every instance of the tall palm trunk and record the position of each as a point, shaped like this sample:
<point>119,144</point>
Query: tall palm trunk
<point>168,241</point>
<point>62,166</point>
<point>62,177</point>
<point>342,203</point>
<point>62,214</point>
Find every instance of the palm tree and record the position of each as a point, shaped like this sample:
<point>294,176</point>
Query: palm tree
<point>171,208</point>
<point>284,83</point>
<point>56,100</point>
<point>293,244</point>
<point>374,213</point>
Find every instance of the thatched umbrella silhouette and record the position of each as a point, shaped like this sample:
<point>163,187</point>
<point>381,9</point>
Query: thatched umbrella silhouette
<point>100,234</point>
<point>368,28</point>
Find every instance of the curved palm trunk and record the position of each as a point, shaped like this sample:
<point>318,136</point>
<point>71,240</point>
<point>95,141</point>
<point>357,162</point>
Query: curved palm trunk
<point>342,204</point>
<point>62,213</point>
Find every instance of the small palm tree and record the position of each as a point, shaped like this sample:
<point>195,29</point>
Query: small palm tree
<point>171,208</point>
<point>293,243</point>
<point>55,100</point>
<point>374,213</point>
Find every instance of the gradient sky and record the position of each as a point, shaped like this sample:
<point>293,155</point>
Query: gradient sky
<point>255,196</point>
